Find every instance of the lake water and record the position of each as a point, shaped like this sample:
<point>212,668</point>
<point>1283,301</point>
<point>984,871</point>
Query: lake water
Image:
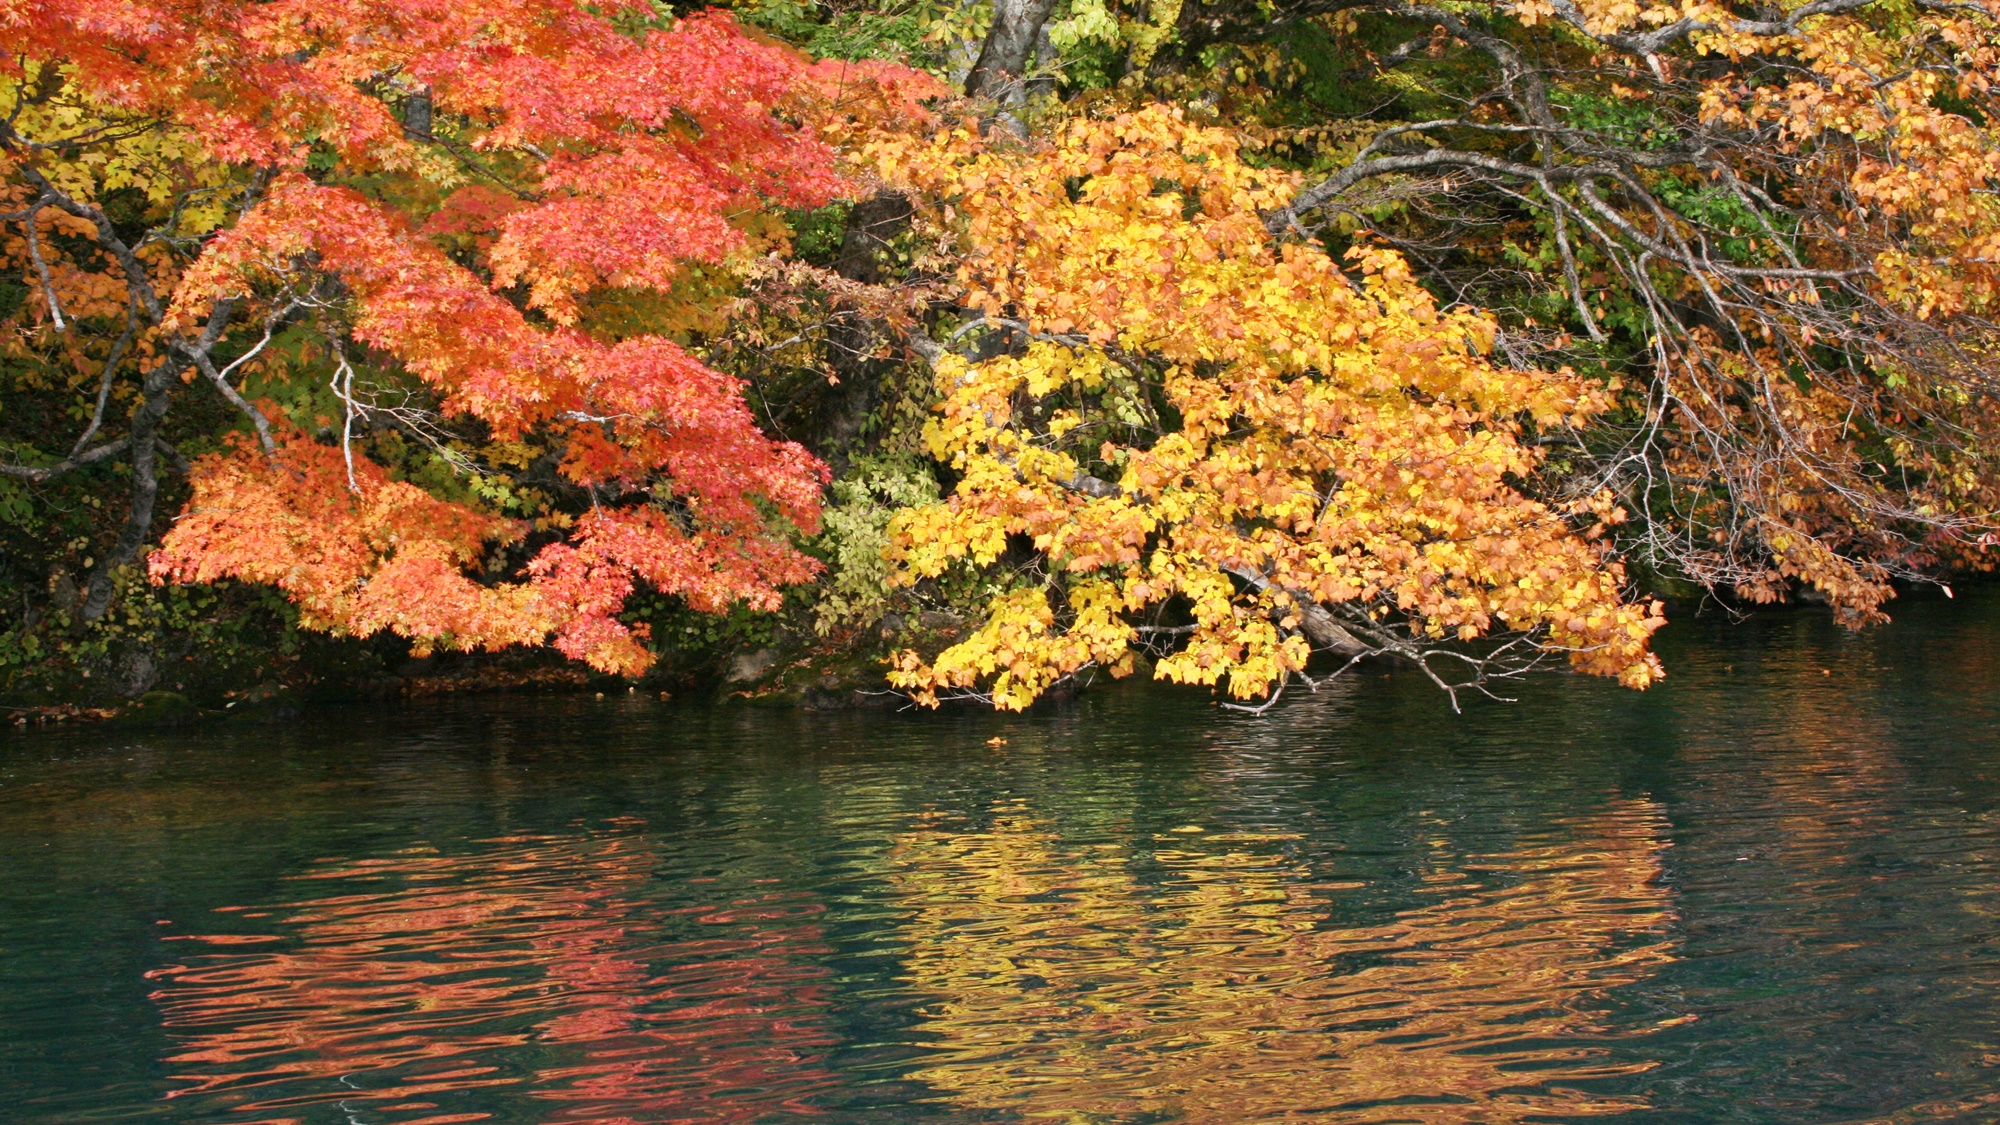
<point>1767,891</point>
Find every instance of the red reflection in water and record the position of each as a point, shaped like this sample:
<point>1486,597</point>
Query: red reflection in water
<point>530,968</point>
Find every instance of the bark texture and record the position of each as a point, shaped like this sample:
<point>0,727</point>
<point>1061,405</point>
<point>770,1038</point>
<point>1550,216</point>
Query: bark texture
<point>1009,49</point>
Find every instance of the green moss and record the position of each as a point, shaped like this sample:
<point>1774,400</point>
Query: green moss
<point>158,709</point>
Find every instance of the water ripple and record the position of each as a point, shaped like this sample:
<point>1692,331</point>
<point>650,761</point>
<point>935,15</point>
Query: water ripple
<point>1758,894</point>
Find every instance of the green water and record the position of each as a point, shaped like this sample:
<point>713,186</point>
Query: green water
<point>1768,891</point>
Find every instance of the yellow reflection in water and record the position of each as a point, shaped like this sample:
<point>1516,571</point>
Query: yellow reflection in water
<point>1205,982</point>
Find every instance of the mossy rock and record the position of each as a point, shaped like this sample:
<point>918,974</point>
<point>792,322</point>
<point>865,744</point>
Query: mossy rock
<point>158,709</point>
<point>825,681</point>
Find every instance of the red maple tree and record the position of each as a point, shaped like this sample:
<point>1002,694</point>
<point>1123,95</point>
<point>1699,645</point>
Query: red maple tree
<point>440,190</point>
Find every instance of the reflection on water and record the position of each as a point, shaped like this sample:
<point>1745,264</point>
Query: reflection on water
<point>1213,987</point>
<point>1195,975</point>
<point>524,964</point>
<point>1766,893</point>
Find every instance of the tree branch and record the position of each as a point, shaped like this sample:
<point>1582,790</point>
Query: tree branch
<point>73,461</point>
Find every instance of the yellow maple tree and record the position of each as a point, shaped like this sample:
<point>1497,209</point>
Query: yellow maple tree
<point>1166,416</point>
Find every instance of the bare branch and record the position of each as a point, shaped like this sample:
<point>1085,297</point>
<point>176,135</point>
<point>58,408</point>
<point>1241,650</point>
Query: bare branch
<point>136,277</point>
<point>104,381</point>
<point>73,461</point>
<point>42,267</point>
<point>199,357</point>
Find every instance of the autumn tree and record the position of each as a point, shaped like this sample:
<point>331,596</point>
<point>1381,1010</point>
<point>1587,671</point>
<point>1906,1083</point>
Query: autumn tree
<point>1768,222</point>
<point>1773,220</point>
<point>1170,416</point>
<point>434,258</point>
<point>1257,329</point>
<point>1752,242</point>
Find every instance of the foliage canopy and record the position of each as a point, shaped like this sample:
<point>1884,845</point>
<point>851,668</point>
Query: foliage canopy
<point>1450,333</point>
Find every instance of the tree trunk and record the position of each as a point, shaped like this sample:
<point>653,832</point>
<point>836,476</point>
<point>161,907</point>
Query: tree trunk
<point>158,391</point>
<point>156,394</point>
<point>864,247</point>
<point>1010,47</point>
<point>841,412</point>
<point>417,114</point>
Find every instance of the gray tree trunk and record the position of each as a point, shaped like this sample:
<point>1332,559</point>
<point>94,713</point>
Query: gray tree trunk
<point>158,390</point>
<point>417,114</point>
<point>1010,48</point>
<point>156,395</point>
